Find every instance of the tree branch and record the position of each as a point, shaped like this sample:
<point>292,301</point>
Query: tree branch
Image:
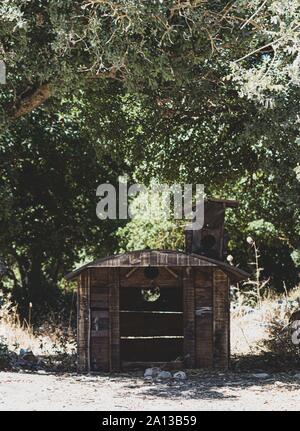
<point>29,102</point>
<point>253,15</point>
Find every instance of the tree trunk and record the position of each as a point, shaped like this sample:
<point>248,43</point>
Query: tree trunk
<point>30,101</point>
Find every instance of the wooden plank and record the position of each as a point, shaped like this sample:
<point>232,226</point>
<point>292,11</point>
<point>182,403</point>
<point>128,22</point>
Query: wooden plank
<point>97,291</point>
<point>172,272</point>
<point>83,363</point>
<point>138,279</point>
<point>132,299</point>
<point>147,324</point>
<point>99,323</point>
<point>189,317</point>
<point>203,277</point>
<point>99,297</point>
<point>114,321</point>
<point>221,312</point>
<point>151,349</point>
<point>204,327</point>
<point>99,277</point>
<point>129,273</point>
<point>144,258</point>
<point>88,312</point>
<point>100,353</point>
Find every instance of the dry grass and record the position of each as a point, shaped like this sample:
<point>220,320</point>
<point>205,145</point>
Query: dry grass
<point>262,330</point>
<point>47,341</point>
<point>256,330</point>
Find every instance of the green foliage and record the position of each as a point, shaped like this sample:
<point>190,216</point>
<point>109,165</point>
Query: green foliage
<point>150,226</point>
<point>189,91</point>
<point>149,47</point>
<point>271,65</point>
<point>48,189</point>
<point>264,229</point>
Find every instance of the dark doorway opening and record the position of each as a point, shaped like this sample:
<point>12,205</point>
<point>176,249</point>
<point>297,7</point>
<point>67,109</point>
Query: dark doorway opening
<point>151,325</point>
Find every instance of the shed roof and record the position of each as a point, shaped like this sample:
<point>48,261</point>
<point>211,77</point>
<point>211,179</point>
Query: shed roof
<point>171,258</point>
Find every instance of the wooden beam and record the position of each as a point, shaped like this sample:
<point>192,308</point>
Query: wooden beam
<point>188,318</point>
<point>173,273</point>
<point>83,323</point>
<point>129,273</point>
<point>114,343</point>
<point>221,319</point>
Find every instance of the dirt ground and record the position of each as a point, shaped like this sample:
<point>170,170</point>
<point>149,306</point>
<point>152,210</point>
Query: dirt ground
<point>204,391</point>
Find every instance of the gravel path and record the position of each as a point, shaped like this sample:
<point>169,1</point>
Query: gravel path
<point>202,391</point>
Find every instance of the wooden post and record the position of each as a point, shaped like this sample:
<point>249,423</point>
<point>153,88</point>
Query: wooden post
<point>114,342</point>
<point>188,318</point>
<point>83,312</point>
<point>221,315</point>
<point>204,319</point>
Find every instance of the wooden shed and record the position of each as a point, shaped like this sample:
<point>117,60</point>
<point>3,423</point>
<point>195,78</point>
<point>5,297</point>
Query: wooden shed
<point>154,307</point>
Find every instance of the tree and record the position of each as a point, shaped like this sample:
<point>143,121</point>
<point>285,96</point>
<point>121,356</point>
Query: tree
<point>270,66</point>
<point>186,91</point>
<point>255,161</point>
<point>48,192</point>
<point>53,47</point>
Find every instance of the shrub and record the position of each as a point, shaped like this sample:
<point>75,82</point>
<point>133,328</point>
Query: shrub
<point>5,355</point>
<point>279,330</point>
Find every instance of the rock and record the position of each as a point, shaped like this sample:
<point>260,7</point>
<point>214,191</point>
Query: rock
<point>152,372</point>
<point>27,355</point>
<point>148,379</point>
<point>180,375</point>
<point>4,362</point>
<point>297,376</point>
<point>261,375</point>
<point>26,360</point>
<point>13,356</point>
<point>164,375</point>
<point>41,363</point>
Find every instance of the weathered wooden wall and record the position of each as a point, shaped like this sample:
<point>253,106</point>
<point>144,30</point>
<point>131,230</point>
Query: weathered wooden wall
<point>212,310</point>
<point>100,351</point>
<point>83,321</point>
<point>189,322</point>
<point>189,317</point>
<point>221,321</point>
<point>204,318</point>
<point>114,290</point>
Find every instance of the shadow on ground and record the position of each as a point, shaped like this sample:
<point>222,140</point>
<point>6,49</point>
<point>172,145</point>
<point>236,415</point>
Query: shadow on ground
<point>258,372</point>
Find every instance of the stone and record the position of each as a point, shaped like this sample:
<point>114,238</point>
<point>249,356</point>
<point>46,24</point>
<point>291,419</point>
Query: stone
<point>180,375</point>
<point>164,375</point>
<point>152,372</point>
<point>4,362</point>
<point>297,376</point>
<point>27,355</point>
<point>261,375</point>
